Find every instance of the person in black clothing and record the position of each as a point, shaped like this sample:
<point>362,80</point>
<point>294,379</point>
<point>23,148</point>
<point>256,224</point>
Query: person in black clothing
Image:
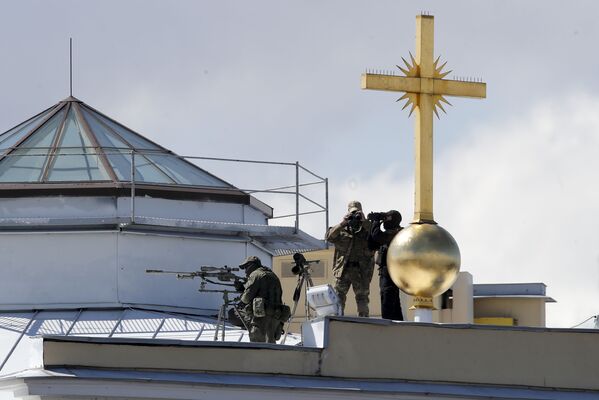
<point>379,240</point>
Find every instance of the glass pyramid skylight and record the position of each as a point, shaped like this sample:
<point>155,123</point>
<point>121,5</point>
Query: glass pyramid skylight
<point>72,142</point>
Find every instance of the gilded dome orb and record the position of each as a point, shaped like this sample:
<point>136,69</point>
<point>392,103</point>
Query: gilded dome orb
<point>423,260</point>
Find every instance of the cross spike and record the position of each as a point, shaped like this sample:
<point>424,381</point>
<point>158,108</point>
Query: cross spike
<point>442,66</point>
<point>402,70</point>
<point>436,61</point>
<point>412,58</point>
<point>438,104</point>
<point>412,109</point>
<point>444,100</point>
<point>407,104</point>
<point>444,74</point>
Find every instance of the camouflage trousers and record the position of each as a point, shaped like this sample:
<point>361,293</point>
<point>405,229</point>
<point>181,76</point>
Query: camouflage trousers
<point>265,329</point>
<point>358,276</point>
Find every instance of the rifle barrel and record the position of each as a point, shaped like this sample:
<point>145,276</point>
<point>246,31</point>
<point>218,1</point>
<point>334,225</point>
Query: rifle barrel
<point>161,271</point>
<point>220,273</point>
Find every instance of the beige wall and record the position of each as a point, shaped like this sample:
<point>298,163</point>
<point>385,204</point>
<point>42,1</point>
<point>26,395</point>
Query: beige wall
<point>323,275</point>
<point>525,311</point>
<point>181,356</point>
<point>537,357</point>
<point>487,355</point>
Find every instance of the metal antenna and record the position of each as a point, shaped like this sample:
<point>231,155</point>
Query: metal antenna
<point>71,66</point>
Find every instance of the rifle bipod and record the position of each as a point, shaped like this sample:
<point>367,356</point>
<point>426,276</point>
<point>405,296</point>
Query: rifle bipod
<point>222,312</point>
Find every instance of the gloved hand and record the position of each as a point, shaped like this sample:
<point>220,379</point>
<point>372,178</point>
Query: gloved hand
<point>346,218</point>
<point>239,286</point>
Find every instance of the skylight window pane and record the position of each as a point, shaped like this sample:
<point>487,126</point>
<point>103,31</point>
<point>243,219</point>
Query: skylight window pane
<point>12,137</point>
<point>145,171</point>
<point>25,164</point>
<point>44,137</point>
<point>120,161</point>
<point>102,134</point>
<point>132,138</point>
<point>185,173</point>
<point>76,167</point>
<point>75,160</point>
<point>72,135</point>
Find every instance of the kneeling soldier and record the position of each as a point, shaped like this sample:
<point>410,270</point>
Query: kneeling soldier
<point>261,305</point>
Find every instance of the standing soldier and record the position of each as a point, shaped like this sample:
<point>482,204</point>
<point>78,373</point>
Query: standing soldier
<point>261,305</point>
<point>379,240</point>
<point>353,259</point>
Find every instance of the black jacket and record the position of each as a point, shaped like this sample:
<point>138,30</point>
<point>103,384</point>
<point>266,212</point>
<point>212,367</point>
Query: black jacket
<point>380,241</point>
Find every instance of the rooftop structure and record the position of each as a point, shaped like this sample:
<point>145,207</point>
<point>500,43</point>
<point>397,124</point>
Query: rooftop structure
<point>72,142</point>
<point>513,304</point>
<point>100,204</point>
<point>339,359</point>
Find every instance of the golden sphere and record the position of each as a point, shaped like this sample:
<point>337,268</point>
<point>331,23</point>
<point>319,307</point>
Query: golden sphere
<point>423,260</point>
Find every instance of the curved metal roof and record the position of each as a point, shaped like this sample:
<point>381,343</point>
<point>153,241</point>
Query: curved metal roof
<point>72,142</point>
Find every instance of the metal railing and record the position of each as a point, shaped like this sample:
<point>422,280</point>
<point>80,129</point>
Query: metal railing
<point>52,155</point>
<point>319,180</point>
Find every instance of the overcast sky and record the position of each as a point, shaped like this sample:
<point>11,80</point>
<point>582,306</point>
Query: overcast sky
<point>515,174</point>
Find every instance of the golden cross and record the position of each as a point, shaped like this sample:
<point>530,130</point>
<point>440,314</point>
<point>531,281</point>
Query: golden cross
<point>424,89</point>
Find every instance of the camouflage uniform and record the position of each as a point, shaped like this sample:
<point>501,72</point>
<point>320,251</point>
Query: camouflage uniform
<point>354,264</point>
<point>264,321</point>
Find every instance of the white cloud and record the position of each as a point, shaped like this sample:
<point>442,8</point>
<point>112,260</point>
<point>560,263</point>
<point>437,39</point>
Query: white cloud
<point>520,197</point>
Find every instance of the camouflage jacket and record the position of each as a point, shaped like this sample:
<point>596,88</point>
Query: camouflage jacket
<point>349,246</point>
<point>263,283</point>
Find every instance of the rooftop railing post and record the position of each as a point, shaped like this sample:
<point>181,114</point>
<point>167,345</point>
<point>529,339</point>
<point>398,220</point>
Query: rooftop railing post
<point>132,186</point>
<point>297,197</point>
<point>326,206</point>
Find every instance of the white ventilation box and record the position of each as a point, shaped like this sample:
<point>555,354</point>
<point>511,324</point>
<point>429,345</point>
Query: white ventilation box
<point>323,300</point>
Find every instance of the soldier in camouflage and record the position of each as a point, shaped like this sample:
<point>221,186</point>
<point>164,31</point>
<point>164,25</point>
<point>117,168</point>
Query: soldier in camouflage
<point>353,266</point>
<point>261,307</point>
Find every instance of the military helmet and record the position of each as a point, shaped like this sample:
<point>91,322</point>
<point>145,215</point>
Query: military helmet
<point>354,205</point>
<point>394,216</point>
<point>392,219</point>
<point>251,260</point>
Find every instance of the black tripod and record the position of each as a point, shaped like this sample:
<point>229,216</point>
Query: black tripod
<point>304,280</point>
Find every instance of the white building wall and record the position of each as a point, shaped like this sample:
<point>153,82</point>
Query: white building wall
<point>56,268</point>
<point>103,268</point>
<point>57,207</point>
<point>194,210</point>
<point>87,269</point>
<point>253,216</point>
<point>139,251</point>
<point>36,210</point>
